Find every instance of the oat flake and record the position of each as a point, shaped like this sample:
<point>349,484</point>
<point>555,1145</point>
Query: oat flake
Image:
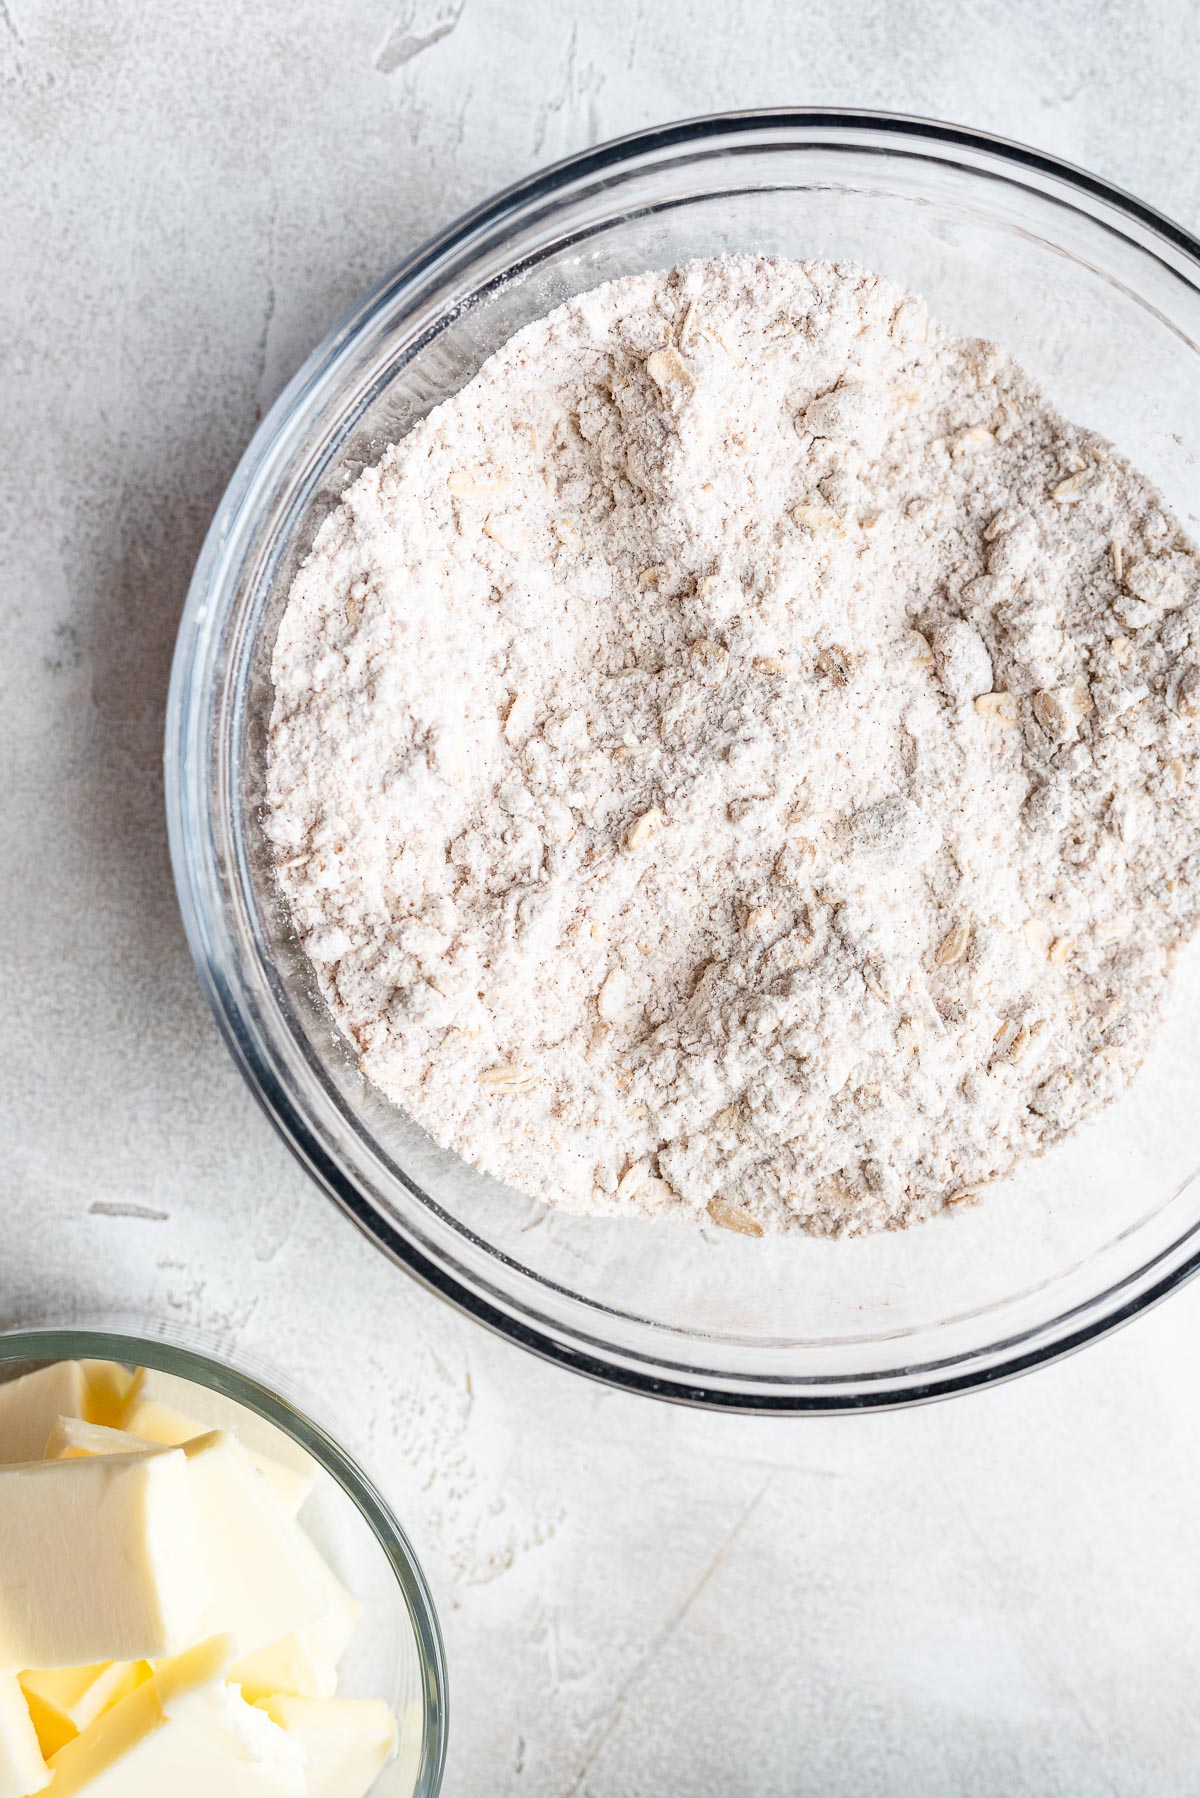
<point>735,760</point>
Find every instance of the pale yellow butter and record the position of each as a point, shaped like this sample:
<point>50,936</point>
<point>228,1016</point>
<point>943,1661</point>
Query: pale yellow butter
<point>262,1583</point>
<point>99,1560</point>
<point>292,1665</point>
<point>65,1700</point>
<point>184,1733</point>
<point>23,1768</point>
<point>117,1551</point>
<point>74,1436</point>
<point>330,1634</point>
<point>347,1741</point>
<point>109,1384</point>
<point>31,1406</point>
<point>305,1664</point>
<point>169,1409</point>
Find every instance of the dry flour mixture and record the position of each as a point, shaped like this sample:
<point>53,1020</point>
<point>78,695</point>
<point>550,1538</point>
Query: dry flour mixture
<point>736,760</point>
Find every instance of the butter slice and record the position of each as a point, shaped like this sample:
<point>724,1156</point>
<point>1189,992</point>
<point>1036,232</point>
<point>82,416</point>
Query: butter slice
<point>168,1409</point>
<point>32,1405</point>
<point>110,1738</point>
<point>262,1583</point>
<point>347,1741</point>
<point>329,1636</point>
<point>65,1700</point>
<point>74,1436</point>
<point>100,1560</point>
<point>22,1766</point>
<point>292,1665</point>
<point>109,1384</point>
<point>305,1664</point>
<point>52,1729</point>
<point>183,1734</point>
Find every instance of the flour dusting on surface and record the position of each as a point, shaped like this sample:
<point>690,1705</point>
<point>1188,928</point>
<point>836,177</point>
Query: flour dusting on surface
<point>736,759</point>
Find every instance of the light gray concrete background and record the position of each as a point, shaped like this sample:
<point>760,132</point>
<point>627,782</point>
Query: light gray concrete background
<point>993,1596</point>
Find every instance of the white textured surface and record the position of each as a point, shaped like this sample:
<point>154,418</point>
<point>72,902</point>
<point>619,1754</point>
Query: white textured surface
<point>991,1596</point>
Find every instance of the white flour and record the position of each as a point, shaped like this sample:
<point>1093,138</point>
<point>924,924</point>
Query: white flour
<point>736,759</point>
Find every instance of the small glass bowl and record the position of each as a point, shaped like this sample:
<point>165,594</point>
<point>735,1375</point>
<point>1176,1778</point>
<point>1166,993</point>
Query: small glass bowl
<point>1098,297</point>
<point>396,1652</point>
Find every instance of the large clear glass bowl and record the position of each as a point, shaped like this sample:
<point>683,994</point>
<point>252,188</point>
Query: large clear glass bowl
<point>1097,296</point>
<point>396,1651</point>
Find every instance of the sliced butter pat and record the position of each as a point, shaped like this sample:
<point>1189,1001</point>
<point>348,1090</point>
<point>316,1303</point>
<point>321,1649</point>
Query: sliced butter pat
<point>261,1578</point>
<point>330,1635</point>
<point>348,1741</point>
<point>23,1767</point>
<point>186,1734</point>
<point>292,1666</point>
<point>65,1700</point>
<point>109,1384</point>
<point>305,1665</point>
<point>31,1406</point>
<point>100,1560</point>
<point>74,1436</point>
<point>171,1410</point>
<point>51,1727</point>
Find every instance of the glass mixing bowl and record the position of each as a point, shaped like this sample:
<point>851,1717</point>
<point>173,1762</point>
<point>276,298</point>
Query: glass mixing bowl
<point>1097,296</point>
<point>396,1650</point>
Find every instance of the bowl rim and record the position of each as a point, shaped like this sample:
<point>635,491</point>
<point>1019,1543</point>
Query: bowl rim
<point>918,1383</point>
<point>192,1355</point>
